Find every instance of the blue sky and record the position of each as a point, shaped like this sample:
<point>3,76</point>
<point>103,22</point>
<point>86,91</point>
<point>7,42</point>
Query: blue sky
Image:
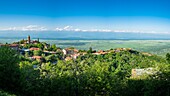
<point>86,15</point>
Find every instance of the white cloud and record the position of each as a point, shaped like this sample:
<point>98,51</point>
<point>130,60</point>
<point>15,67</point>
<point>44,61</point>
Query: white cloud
<point>58,29</point>
<point>101,30</point>
<point>70,28</point>
<point>8,29</point>
<point>33,28</point>
<point>25,28</point>
<point>77,30</point>
<point>66,28</point>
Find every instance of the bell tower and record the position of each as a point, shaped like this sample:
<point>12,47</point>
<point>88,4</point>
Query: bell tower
<point>29,39</point>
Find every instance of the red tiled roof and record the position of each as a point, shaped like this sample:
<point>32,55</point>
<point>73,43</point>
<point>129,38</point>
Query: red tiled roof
<point>13,45</point>
<point>68,58</point>
<point>52,52</point>
<point>33,48</point>
<point>35,41</point>
<point>37,57</point>
<point>10,45</point>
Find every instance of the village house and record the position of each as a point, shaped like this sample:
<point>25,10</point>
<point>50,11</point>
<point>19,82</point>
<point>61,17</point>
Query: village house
<point>136,73</point>
<point>101,52</point>
<point>12,46</point>
<point>147,54</point>
<point>74,56</point>
<point>49,52</point>
<point>34,49</point>
<point>23,51</point>
<point>68,58</point>
<point>38,58</point>
<point>1,45</point>
<point>121,49</point>
<point>70,51</point>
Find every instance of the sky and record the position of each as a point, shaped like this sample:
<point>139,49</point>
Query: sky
<point>151,16</point>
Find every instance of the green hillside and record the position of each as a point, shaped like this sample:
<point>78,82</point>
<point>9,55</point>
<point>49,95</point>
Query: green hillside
<point>108,73</point>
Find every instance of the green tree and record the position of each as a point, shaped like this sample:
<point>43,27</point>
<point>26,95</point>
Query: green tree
<point>9,69</point>
<point>2,93</point>
<point>54,48</point>
<point>40,45</point>
<point>37,53</point>
<point>30,79</point>
<point>27,54</point>
<point>168,57</point>
<point>90,50</point>
<point>51,58</point>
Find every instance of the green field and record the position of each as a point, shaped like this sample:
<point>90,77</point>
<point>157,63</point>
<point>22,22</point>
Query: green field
<point>159,47</point>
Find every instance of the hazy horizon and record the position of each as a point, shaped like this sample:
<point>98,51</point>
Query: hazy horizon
<point>71,35</point>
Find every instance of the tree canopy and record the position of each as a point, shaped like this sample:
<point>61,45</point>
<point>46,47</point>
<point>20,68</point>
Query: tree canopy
<point>9,69</point>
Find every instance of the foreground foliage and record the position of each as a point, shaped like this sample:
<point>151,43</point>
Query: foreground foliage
<point>2,93</point>
<point>88,75</point>
<point>9,70</point>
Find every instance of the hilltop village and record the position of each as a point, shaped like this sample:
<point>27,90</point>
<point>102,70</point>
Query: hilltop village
<point>35,68</point>
<point>42,53</point>
<point>36,50</point>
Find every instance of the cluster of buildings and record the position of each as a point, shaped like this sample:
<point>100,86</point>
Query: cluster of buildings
<point>16,46</point>
<point>24,50</point>
<point>68,53</point>
<point>137,73</point>
<point>100,52</point>
<point>12,46</point>
<point>72,54</point>
<point>29,41</point>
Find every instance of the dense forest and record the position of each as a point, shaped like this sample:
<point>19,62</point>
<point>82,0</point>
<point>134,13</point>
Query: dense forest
<point>88,75</point>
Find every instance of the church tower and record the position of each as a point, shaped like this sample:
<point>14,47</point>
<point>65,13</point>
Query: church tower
<point>29,39</point>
